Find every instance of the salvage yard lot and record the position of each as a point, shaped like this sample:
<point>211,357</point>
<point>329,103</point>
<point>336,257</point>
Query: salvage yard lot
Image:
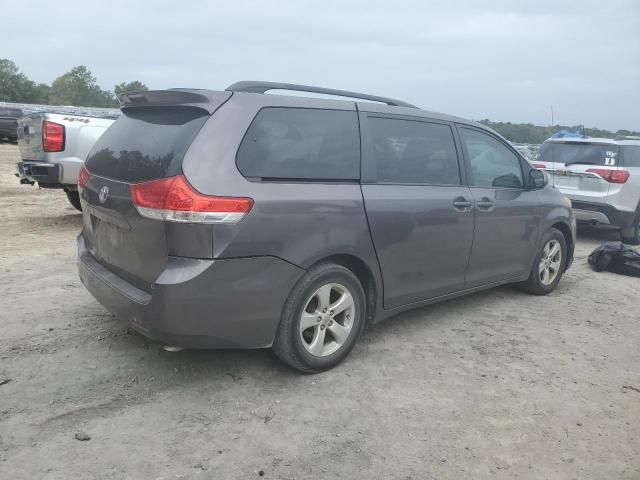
<point>499,384</point>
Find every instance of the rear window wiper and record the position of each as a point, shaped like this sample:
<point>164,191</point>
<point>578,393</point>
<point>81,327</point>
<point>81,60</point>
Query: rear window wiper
<point>580,163</point>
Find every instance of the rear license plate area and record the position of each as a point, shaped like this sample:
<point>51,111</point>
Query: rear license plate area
<point>567,181</point>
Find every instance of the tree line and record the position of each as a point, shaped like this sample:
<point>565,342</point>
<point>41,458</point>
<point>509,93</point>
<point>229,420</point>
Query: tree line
<point>76,87</point>
<point>79,87</point>
<point>529,133</point>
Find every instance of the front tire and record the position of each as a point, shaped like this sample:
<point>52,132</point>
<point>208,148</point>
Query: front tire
<point>321,319</point>
<point>74,199</point>
<point>549,264</point>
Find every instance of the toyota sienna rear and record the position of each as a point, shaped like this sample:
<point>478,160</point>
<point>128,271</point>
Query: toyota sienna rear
<point>239,219</point>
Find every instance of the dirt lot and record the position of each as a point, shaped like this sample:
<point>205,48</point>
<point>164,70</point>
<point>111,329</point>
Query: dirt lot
<point>496,385</point>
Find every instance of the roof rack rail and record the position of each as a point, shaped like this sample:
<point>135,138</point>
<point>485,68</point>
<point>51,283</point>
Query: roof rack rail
<point>262,87</point>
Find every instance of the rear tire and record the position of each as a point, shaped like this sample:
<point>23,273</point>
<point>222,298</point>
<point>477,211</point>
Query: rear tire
<point>74,199</point>
<point>631,235</point>
<point>321,319</point>
<point>548,265</point>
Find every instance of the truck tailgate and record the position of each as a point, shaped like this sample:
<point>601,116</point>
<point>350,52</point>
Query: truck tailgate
<point>30,137</point>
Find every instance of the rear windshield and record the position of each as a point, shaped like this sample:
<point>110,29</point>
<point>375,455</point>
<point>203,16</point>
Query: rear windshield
<point>301,143</point>
<point>146,143</point>
<point>579,153</point>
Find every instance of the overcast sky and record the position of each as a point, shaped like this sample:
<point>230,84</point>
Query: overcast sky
<point>503,60</point>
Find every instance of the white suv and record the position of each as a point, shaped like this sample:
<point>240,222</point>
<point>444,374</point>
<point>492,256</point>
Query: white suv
<point>601,176</point>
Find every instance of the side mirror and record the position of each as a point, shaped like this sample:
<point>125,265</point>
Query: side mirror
<point>537,179</point>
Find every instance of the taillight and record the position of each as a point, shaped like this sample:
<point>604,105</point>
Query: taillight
<point>173,199</point>
<point>52,136</point>
<point>539,166</point>
<point>611,176</point>
<point>83,177</point>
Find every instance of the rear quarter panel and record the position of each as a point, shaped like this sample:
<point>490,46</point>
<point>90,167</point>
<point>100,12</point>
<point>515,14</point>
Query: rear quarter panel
<point>626,196</point>
<point>300,223</point>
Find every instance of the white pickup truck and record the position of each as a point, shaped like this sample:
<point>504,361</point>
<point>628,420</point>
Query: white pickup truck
<point>54,143</point>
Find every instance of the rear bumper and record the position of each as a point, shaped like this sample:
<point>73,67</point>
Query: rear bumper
<point>46,173</point>
<point>602,214</point>
<point>230,303</point>
<point>61,173</point>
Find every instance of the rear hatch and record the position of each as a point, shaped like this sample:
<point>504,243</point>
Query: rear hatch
<point>583,170</point>
<point>147,143</point>
<point>30,137</point>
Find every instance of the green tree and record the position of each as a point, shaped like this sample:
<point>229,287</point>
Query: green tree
<point>16,87</point>
<point>78,87</point>
<point>135,86</point>
<point>41,94</point>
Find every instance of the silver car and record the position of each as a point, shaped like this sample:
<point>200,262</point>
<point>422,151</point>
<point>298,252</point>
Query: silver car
<point>601,176</point>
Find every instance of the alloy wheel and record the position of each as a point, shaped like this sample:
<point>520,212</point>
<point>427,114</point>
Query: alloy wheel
<point>327,319</point>
<point>550,262</point>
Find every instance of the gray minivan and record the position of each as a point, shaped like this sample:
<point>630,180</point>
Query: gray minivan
<point>239,219</point>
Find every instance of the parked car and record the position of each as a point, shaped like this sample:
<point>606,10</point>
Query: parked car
<point>54,145</point>
<point>9,122</point>
<point>242,219</point>
<point>601,176</point>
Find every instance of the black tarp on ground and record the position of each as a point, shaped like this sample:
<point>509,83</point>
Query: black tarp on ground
<point>615,257</point>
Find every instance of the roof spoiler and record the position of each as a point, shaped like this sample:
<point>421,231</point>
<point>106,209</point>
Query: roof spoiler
<point>262,87</point>
<point>205,99</point>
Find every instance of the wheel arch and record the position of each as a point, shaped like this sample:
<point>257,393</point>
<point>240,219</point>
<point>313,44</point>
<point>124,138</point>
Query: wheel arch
<point>364,274</point>
<point>569,240</point>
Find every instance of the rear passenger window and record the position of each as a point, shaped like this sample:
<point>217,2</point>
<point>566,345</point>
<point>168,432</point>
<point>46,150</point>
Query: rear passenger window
<point>414,152</point>
<point>301,143</point>
<point>493,164</point>
<point>631,156</point>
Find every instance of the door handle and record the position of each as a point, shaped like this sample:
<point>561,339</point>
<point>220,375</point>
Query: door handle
<point>462,204</point>
<point>485,204</point>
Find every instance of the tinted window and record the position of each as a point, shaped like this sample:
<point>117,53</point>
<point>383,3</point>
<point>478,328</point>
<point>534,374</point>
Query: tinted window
<point>146,143</point>
<point>579,153</point>
<point>301,143</point>
<point>414,152</point>
<point>493,164</point>
<point>631,156</point>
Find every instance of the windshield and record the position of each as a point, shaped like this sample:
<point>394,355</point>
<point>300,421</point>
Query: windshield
<point>584,153</point>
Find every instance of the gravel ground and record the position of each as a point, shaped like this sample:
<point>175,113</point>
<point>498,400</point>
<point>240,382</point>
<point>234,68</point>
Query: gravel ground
<point>496,385</point>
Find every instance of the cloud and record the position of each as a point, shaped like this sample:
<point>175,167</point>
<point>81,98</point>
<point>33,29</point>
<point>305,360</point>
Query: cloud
<point>507,60</point>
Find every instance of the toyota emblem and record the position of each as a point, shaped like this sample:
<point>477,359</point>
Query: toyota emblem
<point>104,194</point>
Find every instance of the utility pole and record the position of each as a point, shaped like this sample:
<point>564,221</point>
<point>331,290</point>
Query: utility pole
<point>552,124</point>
